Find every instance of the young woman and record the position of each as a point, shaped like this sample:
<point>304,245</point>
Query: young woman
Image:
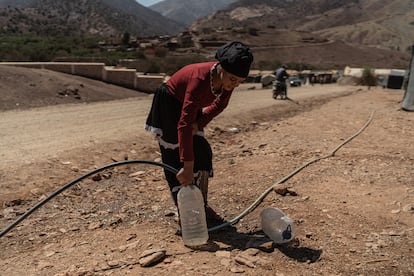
<point>184,105</point>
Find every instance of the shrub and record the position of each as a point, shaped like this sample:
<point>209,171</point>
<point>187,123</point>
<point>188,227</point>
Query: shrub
<point>368,78</point>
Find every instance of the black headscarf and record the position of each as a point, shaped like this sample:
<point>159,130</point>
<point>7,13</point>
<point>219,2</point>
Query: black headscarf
<point>235,58</point>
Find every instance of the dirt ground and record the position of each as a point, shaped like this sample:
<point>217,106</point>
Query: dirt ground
<point>353,210</point>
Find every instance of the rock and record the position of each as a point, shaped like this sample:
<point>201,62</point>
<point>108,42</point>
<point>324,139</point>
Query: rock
<point>97,177</point>
<point>107,175</point>
<point>251,252</point>
<point>151,257</point>
<point>50,253</point>
<point>120,158</point>
<point>408,208</point>
<point>223,254</point>
<point>138,173</point>
<point>95,225</point>
<point>244,261</point>
<point>266,246</point>
<point>263,244</point>
<point>113,263</point>
<point>157,160</point>
<point>237,269</point>
<point>283,191</point>
<point>395,211</point>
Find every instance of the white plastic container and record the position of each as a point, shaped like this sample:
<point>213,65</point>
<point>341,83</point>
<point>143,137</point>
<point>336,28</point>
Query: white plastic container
<point>276,225</point>
<point>192,216</point>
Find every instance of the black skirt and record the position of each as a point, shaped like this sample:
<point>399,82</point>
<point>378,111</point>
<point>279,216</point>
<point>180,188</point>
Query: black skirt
<point>163,120</point>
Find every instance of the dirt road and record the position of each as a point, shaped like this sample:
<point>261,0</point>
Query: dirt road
<point>35,134</point>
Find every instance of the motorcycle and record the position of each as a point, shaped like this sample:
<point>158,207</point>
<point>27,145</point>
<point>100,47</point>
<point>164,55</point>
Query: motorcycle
<point>279,89</point>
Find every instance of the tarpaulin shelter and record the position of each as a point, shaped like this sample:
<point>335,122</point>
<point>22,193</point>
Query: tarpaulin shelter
<point>396,79</point>
<point>408,100</point>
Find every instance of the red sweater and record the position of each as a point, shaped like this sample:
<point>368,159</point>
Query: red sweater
<point>191,86</point>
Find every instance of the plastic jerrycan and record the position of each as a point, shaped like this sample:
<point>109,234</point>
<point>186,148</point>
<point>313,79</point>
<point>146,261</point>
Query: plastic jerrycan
<point>192,216</point>
<point>276,225</point>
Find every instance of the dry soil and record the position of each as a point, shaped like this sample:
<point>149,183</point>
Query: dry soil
<point>353,204</point>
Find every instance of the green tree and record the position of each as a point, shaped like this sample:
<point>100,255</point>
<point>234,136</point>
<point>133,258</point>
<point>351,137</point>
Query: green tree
<point>126,38</point>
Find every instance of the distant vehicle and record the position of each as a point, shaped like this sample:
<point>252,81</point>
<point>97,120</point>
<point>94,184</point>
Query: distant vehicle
<point>294,81</point>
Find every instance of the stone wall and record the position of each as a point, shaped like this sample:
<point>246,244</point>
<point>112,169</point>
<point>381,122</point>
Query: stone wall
<point>128,78</point>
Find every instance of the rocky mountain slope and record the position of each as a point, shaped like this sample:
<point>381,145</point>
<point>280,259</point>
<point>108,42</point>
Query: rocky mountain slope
<point>322,33</point>
<point>387,24</point>
<point>81,17</point>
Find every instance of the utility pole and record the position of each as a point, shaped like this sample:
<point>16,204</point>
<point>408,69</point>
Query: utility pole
<point>408,100</point>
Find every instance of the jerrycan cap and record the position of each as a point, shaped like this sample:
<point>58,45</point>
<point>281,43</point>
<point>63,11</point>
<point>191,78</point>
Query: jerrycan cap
<point>287,233</point>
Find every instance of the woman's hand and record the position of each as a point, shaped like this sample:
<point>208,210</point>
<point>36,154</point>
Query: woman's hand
<point>186,174</point>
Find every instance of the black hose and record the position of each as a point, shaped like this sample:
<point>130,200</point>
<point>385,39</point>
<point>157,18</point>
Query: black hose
<point>41,203</point>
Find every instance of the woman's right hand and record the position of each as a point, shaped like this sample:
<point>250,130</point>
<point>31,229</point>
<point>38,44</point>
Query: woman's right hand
<point>186,175</point>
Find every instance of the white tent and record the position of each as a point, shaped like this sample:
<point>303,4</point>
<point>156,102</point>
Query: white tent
<point>267,79</point>
<point>408,100</point>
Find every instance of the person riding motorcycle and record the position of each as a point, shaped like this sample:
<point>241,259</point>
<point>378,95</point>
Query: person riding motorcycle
<point>279,85</point>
